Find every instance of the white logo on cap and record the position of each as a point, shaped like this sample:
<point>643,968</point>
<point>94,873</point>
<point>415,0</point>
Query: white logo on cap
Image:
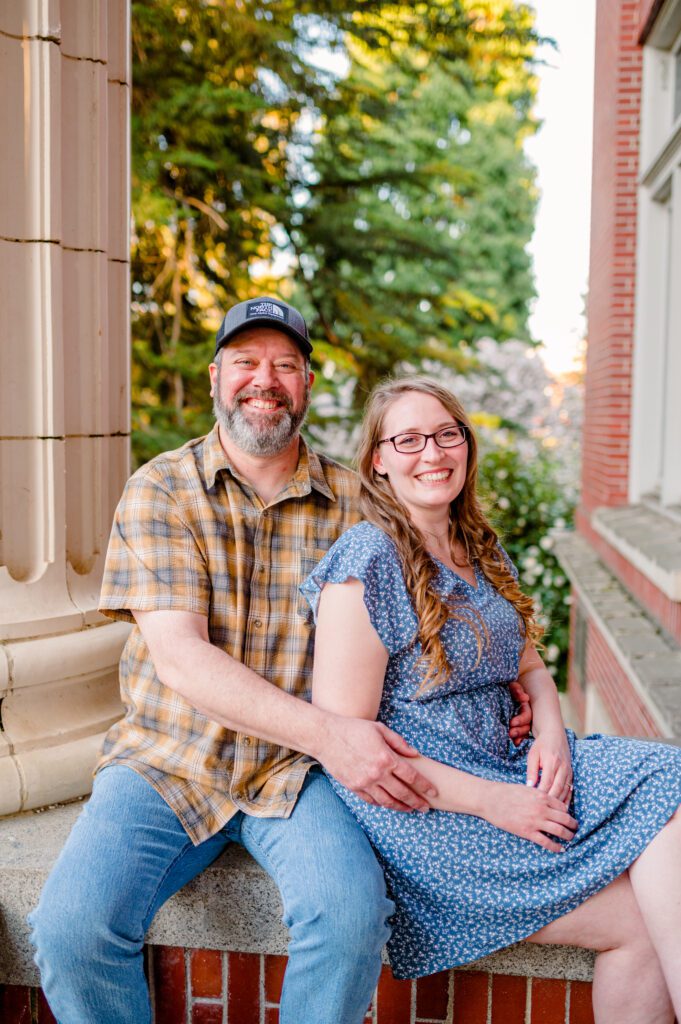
<point>266,309</point>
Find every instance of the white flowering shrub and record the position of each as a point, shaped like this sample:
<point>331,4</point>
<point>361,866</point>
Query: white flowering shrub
<point>525,501</point>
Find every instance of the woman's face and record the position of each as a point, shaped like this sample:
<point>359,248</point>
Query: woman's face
<point>429,480</point>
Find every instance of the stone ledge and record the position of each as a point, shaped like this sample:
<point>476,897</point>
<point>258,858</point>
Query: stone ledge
<point>233,905</point>
<point>649,657</point>
<point>648,539</point>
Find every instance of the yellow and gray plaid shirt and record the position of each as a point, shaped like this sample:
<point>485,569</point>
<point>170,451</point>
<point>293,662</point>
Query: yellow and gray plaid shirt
<point>190,535</point>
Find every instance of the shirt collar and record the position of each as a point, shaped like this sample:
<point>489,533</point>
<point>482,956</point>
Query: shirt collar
<point>309,471</point>
<point>214,457</point>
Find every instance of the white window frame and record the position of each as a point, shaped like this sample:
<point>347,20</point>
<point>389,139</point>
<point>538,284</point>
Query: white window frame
<point>655,458</point>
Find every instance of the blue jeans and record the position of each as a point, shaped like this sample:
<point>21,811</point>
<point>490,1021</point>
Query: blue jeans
<point>128,853</point>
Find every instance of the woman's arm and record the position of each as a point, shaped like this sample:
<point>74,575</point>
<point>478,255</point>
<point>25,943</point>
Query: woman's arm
<point>549,763</point>
<point>349,669</point>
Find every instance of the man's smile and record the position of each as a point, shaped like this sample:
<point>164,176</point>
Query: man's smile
<point>265,404</point>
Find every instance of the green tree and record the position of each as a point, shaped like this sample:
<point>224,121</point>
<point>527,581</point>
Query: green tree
<point>255,170</point>
<point>412,236</point>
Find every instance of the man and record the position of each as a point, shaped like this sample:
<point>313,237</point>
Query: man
<point>219,744</point>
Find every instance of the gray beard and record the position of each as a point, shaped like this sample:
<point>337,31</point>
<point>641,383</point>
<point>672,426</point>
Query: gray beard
<point>265,438</point>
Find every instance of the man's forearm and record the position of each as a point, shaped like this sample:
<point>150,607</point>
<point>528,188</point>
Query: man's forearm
<point>228,692</point>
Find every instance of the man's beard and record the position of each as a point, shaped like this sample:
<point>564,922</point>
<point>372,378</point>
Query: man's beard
<point>264,437</point>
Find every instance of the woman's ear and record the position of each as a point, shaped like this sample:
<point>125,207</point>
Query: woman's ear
<point>377,463</point>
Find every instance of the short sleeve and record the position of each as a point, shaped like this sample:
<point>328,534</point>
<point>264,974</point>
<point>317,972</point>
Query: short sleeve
<point>365,553</point>
<point>153,562</point>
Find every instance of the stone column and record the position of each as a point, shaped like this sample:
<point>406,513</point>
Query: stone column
<point>64,383</point>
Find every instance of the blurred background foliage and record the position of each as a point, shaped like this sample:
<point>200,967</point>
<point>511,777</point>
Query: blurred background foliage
<point>365,161</point>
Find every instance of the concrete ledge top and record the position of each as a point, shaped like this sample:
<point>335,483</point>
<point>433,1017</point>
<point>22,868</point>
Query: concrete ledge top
<point>232,905</point>
<point>649,539</point>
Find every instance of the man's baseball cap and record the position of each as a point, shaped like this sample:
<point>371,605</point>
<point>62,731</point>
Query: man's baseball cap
<point>264,312</point>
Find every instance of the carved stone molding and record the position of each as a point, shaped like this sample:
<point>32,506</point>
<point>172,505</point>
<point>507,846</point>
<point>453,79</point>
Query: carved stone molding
<point>64,384</point>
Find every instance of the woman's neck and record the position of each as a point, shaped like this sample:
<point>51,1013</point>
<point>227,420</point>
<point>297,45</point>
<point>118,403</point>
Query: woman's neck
<point>434,528</point>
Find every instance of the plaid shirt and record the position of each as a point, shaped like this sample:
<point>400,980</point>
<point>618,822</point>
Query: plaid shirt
<point>190,535</point>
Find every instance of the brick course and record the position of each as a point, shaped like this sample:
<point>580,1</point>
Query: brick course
<point>209,987</point>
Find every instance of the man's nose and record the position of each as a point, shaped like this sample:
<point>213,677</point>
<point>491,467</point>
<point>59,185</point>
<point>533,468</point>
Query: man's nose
<point>265,375</point>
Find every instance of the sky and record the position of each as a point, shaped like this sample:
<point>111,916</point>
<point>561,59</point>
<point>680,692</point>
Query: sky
<point>561,152</point>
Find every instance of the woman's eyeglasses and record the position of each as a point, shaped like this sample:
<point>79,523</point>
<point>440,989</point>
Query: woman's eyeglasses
<point>412,442</point>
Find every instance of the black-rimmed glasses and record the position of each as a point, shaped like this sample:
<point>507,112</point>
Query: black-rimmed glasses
<point>411,442</point>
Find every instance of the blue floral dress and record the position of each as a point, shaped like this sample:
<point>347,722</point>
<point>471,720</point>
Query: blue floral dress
<point>461,886</point>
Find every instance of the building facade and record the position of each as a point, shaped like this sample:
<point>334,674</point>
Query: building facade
<point>624,561</point>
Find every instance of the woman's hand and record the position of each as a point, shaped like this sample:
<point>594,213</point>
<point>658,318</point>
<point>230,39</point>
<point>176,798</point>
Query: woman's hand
<point>529,813</point>
<point>549,764</point>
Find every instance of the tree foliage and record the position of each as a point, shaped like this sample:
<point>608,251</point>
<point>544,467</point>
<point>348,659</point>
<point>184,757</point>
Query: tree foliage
<point>362,158</point>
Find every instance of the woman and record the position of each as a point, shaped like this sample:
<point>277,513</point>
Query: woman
<point>421,624</point>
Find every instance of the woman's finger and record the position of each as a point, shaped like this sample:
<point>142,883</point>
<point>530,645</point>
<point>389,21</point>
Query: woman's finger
<point>548,774</point>
<point>532,767</point>
<point>541,840</point>
<point>558,830</point>
<point>559,780</point>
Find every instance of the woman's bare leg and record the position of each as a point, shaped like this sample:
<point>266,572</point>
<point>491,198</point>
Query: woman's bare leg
<point>628,986</point>
<point>656,882</point>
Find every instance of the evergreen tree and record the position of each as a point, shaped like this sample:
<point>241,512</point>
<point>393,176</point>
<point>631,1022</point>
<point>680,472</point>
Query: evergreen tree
<point>392,201</point>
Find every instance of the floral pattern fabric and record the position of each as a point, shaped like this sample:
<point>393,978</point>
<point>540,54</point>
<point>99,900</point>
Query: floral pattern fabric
<point>463,887</point>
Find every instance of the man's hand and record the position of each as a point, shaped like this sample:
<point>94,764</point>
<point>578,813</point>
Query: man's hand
<point>530,814</point>
<point>373,761</point>
<point>521,724</point>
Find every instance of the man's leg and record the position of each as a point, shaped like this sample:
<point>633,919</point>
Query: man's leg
<point>126,855</point>
<point>334,905</point>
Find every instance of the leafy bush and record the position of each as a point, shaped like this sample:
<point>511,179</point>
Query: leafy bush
<point>525,501</point>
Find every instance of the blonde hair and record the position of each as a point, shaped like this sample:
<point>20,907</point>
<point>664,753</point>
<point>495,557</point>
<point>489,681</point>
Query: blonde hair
<point>468,524</point>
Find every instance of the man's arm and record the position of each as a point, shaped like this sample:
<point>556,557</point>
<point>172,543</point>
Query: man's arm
<point>364,755</point>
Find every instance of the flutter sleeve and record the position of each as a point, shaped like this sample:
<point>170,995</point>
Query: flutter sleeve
<point>365,553</point>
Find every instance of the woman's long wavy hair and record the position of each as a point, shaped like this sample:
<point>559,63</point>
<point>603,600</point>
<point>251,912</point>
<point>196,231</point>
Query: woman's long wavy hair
<point>468,524</point>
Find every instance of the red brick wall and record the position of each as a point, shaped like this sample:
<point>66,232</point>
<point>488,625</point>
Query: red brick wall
<point>209,987</point>
<point>629,714</point>
<point>605,464</point>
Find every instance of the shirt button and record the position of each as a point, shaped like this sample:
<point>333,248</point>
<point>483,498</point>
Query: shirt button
<point>261,568</point>
<point>257,623</point>
<point>247,741</point>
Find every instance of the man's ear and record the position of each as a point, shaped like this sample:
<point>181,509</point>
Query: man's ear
<point>377,463</point>
<point>213,371</point>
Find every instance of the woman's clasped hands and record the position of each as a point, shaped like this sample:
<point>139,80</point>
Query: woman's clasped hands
<point>539,810</point>
<point>531,814</point>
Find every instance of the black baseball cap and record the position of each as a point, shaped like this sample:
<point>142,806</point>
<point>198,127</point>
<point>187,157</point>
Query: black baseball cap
<point>264,312</point>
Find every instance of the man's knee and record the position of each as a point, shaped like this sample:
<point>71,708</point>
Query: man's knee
<point>346,919</point>
<point>69,933</point>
